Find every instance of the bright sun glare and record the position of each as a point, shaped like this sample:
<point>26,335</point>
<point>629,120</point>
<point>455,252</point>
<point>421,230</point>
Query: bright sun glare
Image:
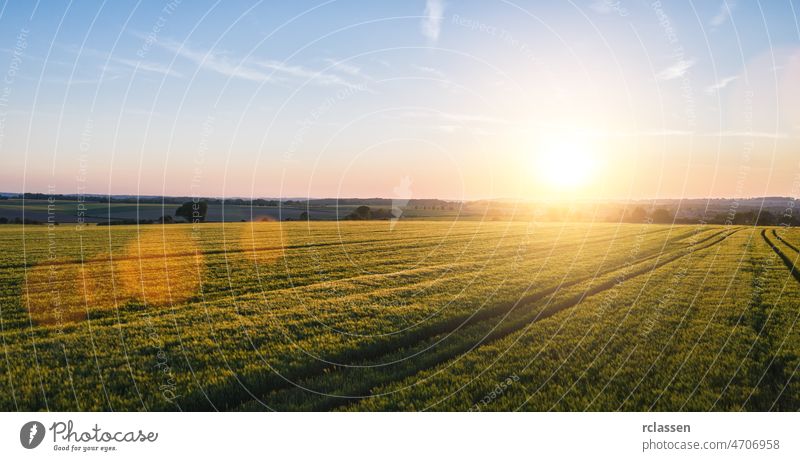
<point>565,163</point>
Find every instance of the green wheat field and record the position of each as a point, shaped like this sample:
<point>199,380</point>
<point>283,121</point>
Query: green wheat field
<point>413,315</point>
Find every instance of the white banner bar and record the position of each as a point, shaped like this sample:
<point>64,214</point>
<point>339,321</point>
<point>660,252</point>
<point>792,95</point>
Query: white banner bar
<point>401,436</point>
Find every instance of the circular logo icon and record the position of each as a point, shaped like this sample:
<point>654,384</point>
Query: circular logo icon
<point>31,434</point>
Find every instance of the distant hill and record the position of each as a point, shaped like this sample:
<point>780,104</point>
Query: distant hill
<point>39,207</point>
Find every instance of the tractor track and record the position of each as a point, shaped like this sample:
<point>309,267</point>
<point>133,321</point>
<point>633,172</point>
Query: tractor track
<point>786,260</point>
<point>375,352</point>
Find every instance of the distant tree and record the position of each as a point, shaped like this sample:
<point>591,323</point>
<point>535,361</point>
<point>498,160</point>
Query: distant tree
<point>744,217</point>
<point>193,211</point>
<point>304,216</point>
<point>765,218</point>
<point>166,219</point>
<point>360,213</point>
<point>662,216</point>
<point>380,213</point>
<point>4,220</point>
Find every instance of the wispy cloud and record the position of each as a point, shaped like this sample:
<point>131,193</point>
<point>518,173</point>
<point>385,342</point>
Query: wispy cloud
<point>443,80</point>
<point>721,84</point>
<point>81,81</point>
<point>345,68</point>
<point>654,133</point>
<point>215,63</point>
<point>317,77</point>
<point>667,132</point>
<point>143,113</point>
<point>139,64</point>
<point>451,118</point>
<point>749,134</point>
<point>432,22</point>
<point>148,66</point>
<point>676,70</point>
<point>431,71</point>
<point>259,70</point>
<point>600,6</point>
<point>448,128</point>
<point>713,134</point>
<point>723,14</point>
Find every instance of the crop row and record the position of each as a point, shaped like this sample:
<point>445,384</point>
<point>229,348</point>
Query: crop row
<point>716,330</point>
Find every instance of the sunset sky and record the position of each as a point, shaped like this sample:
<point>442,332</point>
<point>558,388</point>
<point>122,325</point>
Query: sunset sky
<point>453,99</point>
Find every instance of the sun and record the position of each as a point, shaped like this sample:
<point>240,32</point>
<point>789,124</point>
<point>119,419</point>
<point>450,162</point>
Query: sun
<point>565,163</point>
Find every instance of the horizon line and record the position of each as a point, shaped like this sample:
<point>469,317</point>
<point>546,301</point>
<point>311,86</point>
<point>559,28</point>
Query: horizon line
<point>495,199</point>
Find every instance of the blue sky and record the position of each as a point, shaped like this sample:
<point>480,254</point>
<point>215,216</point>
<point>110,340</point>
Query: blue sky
<point>347,98</point>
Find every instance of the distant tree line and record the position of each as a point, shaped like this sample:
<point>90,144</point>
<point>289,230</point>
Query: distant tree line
<point>166,219</point>
<point>739,218</point>
<point>658,215</point>
<point>755,217</point>
<point>364,212</point>
<point>419,204</point>
<point>18,220</point>
<point>191,211</point>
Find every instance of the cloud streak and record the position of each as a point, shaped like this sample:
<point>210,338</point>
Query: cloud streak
<point>148,66</point>
<point>677,70</point>
<point>345,68</point>
<point>431,71</point>
<point>721,84</point>
<point>259,70</point>
<point>750,134</point>
<point>724,14</point>
<point>137,64</point>
<point>215,63</point>
<point>432,22</point>
<point>452,118</point>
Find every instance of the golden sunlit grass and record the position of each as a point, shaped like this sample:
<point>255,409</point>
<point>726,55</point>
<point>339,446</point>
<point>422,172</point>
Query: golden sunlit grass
<point>96,282</point>
<point>260,242</point>
<point>160,268</point>
<point>156,268</point>
<point>51,294</point>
